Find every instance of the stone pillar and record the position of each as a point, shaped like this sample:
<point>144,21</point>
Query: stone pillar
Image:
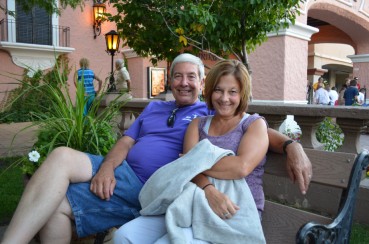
<point>351,129</point>
<point>282,78</point>
<point>274,120</point>
<point>309,126</point>
<point>360,70</point>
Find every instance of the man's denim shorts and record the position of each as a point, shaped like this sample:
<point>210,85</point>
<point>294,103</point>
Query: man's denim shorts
<point>92,214</point>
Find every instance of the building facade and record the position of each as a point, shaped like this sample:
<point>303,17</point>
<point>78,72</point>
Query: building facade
<point>330,38</point>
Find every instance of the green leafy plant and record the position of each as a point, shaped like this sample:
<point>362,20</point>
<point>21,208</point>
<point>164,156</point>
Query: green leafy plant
<point>21,109</point>
<point>64,123</point>
<point>330,134</point>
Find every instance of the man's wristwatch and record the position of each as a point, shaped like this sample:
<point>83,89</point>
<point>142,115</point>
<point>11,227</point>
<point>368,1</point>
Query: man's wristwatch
<point>285,144</point>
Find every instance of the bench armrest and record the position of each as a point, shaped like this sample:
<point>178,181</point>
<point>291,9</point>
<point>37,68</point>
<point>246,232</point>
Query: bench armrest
<point>339,230</point>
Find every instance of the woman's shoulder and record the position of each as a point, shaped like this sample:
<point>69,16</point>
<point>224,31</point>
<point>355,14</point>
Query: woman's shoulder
<point>248,119</point>
<point>203,119</point>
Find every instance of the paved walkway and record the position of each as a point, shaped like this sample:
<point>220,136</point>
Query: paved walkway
<point>25,137</point>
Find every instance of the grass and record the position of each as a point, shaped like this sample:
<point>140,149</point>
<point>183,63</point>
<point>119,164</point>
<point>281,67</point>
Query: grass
<point>11,188</point>
<point>360,234</point>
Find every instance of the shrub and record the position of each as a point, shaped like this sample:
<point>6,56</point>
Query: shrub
<point>34,100</point>
<point>63,123</point>
<point>330,134</point>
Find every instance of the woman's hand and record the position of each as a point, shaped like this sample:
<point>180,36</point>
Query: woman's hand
<point>220,203</point>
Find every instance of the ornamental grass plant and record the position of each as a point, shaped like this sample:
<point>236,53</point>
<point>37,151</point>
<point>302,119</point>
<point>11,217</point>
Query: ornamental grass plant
<point>61,122</point>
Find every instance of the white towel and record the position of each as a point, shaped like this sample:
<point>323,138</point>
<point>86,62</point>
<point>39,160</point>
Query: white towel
<point>170,191</point>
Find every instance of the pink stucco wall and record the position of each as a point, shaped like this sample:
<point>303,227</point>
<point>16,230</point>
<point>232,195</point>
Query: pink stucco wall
<point>9,74</point>
<point>279,69</point>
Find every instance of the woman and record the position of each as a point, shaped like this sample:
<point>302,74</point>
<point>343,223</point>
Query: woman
<point>227,91</point>
<point>87,76</point>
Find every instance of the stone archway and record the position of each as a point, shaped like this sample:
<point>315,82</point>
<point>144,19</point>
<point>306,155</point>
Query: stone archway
<point>345,22</point>
<point>280,65</point>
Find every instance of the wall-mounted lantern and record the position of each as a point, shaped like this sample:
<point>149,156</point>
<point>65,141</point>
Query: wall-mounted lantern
<point>98,13</point>
<point>112,45</point>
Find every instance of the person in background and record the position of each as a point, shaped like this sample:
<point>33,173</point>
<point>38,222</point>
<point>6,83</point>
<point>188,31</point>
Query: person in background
<point>333,96</point>
<point>357,84</point>
<point>361,97</point>
<point>122,78</point>
<point>86,75</point>
<point>97,193</point>
<point>341,100</point>
<point>309,92</point>
<point>351,93</point>
<point>321,95</point>
<point>318,84</point>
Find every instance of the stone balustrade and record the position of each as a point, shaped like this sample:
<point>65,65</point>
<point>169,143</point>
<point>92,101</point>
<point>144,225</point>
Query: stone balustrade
<point>352,120</point>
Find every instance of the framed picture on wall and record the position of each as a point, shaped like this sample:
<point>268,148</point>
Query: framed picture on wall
<point>157,80</point>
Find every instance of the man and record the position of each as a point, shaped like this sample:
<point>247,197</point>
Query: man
<point>333,95</point>
<point>351,93</point>
<point>98,193</point>
<point>321,95</point>
<point>361,97</point>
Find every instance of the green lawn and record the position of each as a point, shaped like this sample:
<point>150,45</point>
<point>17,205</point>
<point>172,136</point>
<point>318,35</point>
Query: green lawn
<point>11,188</point>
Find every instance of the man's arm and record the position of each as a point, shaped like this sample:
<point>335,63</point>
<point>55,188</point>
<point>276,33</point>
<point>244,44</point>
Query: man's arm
<point>99,84</point>
<point>103,183</point>
<point>299,167</point>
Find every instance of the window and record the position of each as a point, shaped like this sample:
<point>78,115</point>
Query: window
<point>33,39</point>
<point>33,27</point>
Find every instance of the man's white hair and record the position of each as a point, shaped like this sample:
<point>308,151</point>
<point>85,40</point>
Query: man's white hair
<point>188,58</point>
<point>119,62</point>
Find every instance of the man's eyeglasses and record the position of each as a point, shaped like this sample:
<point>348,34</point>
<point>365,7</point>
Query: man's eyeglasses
<point>172,118</point>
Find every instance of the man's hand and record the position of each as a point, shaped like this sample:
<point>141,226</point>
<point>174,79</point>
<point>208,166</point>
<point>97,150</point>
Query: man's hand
<point>103,183</point>
<point>220,203</point>
<point>299,167</point>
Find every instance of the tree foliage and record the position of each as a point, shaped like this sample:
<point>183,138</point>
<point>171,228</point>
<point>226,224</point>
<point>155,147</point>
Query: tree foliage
<point>163,28</point>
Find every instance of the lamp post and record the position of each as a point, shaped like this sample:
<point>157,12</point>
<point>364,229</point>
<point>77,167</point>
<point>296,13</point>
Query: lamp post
<point>112,45</point>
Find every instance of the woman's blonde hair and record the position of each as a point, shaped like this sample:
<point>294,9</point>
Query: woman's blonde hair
<point>240,73</point>
<point>84,63</point>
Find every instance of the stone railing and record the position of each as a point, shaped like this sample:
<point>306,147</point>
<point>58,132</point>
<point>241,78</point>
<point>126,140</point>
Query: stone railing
<point>352,120</point>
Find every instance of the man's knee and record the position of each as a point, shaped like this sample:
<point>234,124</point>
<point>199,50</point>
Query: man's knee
<point>61,152</point>
<point>75,163</point>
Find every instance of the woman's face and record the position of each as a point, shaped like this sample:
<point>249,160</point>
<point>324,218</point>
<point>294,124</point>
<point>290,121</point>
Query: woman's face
<point>226,96</point>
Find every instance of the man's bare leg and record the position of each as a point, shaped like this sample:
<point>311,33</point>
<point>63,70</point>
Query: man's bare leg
<point>58,228</point>
<point>43,200</point>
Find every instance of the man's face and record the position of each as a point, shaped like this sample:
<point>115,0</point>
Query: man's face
<point>185,83</point>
